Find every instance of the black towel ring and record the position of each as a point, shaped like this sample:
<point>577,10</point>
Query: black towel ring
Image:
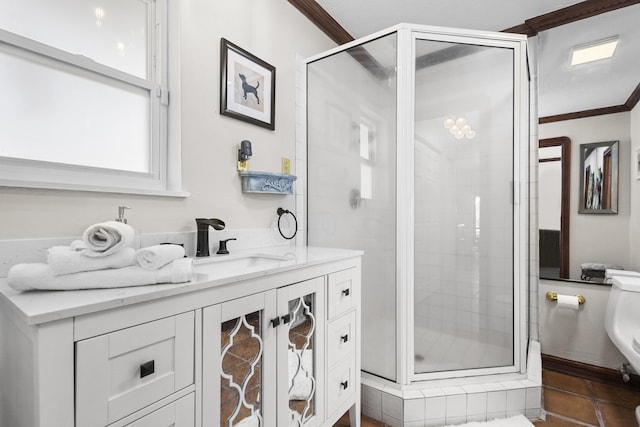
<point>295,231</point>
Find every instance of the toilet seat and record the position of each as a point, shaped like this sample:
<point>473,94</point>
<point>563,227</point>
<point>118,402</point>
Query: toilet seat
<point>636,342</point>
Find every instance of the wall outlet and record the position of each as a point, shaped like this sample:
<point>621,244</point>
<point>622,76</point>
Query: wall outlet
<point>286,166</point>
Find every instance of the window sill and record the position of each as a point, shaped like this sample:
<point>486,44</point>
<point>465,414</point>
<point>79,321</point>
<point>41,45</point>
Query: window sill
<point>91,188</point>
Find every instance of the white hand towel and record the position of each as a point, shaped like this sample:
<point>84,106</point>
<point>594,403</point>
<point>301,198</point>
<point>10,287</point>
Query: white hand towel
<point>66,260</point>
<point>105,238</point>
<point>301,383</point>
<point>25,277</point>
<point>252,420</point>
<point>154,257</point>
<point>177,271</point>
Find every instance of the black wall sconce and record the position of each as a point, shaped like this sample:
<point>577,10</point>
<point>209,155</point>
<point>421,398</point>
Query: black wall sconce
<point>244,153</point>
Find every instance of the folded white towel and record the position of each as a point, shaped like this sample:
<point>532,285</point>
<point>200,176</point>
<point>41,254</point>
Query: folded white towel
<point>252,420</point>
<point>77,245</point>
<point>66,260</point>
<point>154,257</point>
<point>105,238</point>
<point>25,277</point>
<point>301,382</point>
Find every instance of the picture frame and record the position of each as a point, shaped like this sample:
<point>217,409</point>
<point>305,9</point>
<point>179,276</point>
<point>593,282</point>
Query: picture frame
<point>247,86</point>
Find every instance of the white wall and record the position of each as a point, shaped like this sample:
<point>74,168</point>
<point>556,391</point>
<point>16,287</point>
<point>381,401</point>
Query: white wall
<point>272,30</point>
<point>580,335</point>
<point>597,238</point>
<point>577,334</point>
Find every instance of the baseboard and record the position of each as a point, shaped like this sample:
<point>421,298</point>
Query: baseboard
<point>589,372</point>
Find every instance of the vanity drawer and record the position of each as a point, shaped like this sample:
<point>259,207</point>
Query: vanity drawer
<point>341,384</point>
<point>124,371</point>
<point>180,413</point>
<point>341,289</point>
<point>341,338</point>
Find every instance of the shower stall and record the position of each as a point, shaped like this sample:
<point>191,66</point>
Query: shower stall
<point>417,153</point>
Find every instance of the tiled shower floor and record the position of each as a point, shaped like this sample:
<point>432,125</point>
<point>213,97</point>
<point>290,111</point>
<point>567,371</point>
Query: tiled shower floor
<point>440,351</point>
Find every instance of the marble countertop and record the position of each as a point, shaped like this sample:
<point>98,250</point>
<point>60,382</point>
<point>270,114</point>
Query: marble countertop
<point>35,307</point>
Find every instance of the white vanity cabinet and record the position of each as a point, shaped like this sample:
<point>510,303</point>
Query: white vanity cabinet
<point>268,347</point>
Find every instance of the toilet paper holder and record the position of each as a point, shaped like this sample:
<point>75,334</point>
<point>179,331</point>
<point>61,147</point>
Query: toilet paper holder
<point>553,296</point>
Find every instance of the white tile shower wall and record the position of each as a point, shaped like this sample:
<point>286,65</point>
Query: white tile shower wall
<point>436,406</point>
<point>443,246</point>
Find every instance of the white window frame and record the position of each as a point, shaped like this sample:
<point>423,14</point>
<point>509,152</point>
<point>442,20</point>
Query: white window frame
<point>165,175</point>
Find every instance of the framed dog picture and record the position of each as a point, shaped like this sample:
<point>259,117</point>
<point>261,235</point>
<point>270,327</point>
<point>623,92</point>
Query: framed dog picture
<point>247,86</point>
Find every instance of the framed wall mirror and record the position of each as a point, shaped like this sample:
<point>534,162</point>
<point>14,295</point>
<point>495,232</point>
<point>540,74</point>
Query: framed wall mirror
<point>599,178</point>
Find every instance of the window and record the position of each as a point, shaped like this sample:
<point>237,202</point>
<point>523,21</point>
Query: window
<point>85,101</point>
<point>367,151</point>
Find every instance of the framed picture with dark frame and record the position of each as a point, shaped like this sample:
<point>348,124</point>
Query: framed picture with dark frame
<point>247,86</point>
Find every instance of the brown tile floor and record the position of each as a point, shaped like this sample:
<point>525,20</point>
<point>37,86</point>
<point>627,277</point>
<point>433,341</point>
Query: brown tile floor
<point>364,422</point>
<point>573,402</point>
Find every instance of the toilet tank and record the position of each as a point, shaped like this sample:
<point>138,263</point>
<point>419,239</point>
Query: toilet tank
<point>626,283</point>
<point>623,304</point>
<point>609,274</point>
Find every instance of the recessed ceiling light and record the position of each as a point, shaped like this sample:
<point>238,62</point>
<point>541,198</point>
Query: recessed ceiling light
<point>595,51</point>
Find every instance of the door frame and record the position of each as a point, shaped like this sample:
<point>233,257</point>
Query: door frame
<point>564,143</point>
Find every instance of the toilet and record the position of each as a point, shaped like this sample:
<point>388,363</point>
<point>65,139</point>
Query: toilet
<point>621,320</point>
<point>610,272</point>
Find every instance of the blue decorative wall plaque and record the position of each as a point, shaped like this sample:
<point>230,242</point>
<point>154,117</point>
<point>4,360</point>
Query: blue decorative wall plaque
<point>265,182</point>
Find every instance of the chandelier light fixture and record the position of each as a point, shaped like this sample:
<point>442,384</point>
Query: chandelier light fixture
<point>459,128</point>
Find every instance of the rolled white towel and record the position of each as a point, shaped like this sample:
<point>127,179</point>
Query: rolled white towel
<point>105,238</point>
<point>154,257</point>
<point>66,260</point>
<point>301,383</point>
<point>26,277</point>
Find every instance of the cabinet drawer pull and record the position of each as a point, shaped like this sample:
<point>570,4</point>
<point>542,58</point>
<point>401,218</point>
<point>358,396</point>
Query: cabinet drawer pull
<point>275,322</point>
<point>344,385</point>
<point>286,318</point>
<point>346,292</point>
<point>344,338</point>
<point>147,368</point>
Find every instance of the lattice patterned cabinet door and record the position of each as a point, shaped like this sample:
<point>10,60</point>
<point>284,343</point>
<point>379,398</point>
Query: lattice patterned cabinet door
<point>241,347</point>
<point>303,343</point>
<point>235,392</point>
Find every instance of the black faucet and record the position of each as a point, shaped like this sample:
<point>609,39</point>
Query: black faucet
<point>203,225</point>
<point>222,250</point>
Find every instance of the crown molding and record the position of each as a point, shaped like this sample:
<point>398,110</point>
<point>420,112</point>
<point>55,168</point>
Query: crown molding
<point>629,105</point>
<point>566,15</point>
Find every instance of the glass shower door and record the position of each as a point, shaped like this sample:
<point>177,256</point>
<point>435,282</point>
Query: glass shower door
<point>351,179</point>
<point>464,212</point>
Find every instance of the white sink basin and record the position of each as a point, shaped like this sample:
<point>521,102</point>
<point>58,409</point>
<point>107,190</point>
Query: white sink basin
<point>237,264</point>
